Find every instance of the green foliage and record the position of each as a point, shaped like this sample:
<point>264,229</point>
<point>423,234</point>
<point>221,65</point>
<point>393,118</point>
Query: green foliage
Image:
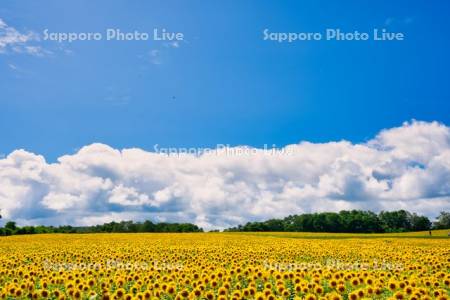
<point>11,225</point>
<point>354,221</point>
<point>419,223</point>
<point>5,231</point>
<point>395,221</point>
<point>443,221</point>
<point>124,226</point>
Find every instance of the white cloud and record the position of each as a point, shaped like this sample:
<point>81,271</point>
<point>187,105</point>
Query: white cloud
<point>12,40</point>
<point>398,21</point>
<point>155,57</point>
<point>401,168</point>
<point>174,44</point>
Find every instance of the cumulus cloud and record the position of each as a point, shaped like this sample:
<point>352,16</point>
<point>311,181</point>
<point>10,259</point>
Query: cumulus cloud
<point>407,167</point>
<point>14,41</point>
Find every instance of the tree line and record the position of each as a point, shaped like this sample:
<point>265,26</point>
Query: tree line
<point>11,228</point>
<point>354,221</point>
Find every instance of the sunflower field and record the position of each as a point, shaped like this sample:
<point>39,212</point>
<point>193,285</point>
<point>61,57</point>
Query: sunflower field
<point>223,266</point>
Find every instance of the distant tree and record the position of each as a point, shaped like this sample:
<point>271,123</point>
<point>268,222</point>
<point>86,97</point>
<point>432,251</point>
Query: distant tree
<point>254,226</point>
<point>319,222</point>
<point>395,221</point>
<point>359,221</point>
<point>25,230</point>
<point>443,221</point>
<point>148,226</point>
<point>11,226</point>
<point>42,229</point>
<point>419,223</point>
<point>333,222</point>
<point>6,231</point>
<point>274,225</point>
<point>354,221</point>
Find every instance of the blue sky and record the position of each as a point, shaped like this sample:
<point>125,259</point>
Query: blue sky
<point>224,84</point>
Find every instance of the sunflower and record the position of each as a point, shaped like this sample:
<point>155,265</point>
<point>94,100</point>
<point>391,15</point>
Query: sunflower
<point>119,293</point>
<point>353,296</point>
<point>392,285</point>
<point>44,293</point>
<point>310,297</point>
<point>335,296</point>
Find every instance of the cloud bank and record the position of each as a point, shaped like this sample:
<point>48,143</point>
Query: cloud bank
<point>407,167</point>
<point>14,41</point>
